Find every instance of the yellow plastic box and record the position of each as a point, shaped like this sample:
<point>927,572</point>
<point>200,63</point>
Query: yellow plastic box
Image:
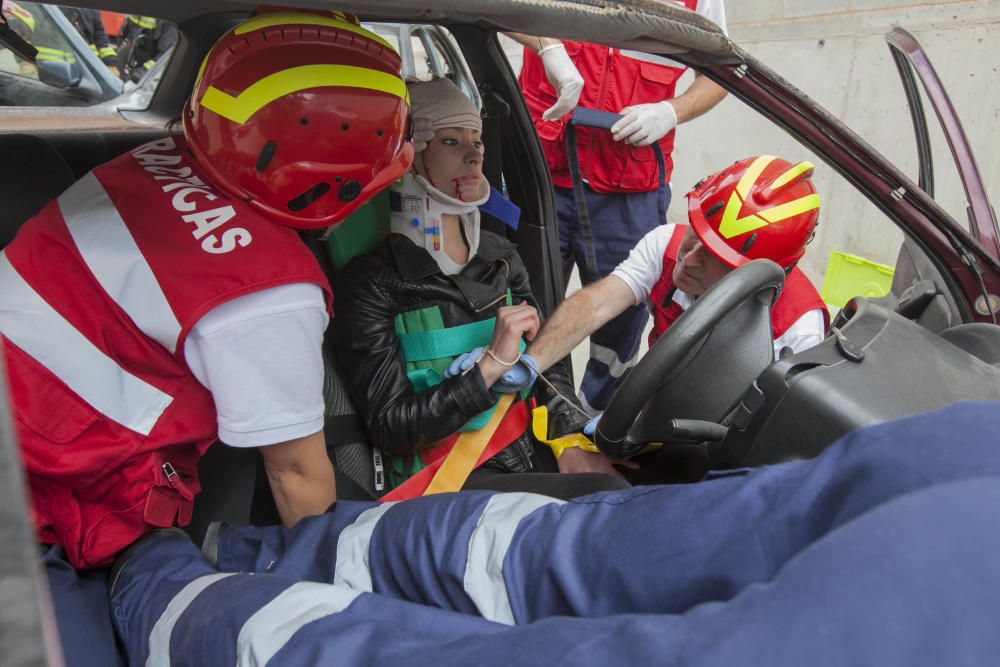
<point>848,276</point>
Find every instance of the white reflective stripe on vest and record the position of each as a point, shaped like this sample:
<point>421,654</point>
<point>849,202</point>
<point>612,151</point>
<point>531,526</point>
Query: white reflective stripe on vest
<point>111,254</point>
<point>650,58</point>
<point>352,568</point>
<point>159,636</point>
<point>273,625</point>
<point>33,325</point>
<point>484,582</point>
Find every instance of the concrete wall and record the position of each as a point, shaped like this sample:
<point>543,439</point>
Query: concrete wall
<point>836,53</point>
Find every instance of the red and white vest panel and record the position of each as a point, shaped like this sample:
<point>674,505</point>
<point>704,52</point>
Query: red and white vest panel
<point>613,79</point>
<point>97,295</point>
<point>798,297</point>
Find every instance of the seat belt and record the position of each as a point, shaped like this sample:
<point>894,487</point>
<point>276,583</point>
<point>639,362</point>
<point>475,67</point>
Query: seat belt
<point>603,120</point>
<point>461,460</point>
<point>510,427</point>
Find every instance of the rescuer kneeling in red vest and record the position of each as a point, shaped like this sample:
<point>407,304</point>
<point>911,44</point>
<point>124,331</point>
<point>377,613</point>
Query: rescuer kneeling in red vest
<point>760,207</point>
<point>165,300</point>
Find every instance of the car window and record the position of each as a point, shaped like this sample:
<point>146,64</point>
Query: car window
<point>428,52</point>
<point>429,58</point>
<point>85,56</point>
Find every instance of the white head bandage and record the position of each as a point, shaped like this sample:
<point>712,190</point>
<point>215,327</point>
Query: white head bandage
<point>443,104</point>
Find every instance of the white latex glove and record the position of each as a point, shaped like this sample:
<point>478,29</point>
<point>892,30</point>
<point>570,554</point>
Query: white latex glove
<point>645,124</point>
<point>422,133</point>
<point>565,79</point>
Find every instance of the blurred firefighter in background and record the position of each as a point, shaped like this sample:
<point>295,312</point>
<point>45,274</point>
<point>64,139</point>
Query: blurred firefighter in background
<point>88,23</point>
<point>143,40</point>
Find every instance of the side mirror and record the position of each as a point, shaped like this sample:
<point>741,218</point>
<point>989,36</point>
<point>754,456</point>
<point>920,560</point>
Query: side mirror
<point>59,73</point>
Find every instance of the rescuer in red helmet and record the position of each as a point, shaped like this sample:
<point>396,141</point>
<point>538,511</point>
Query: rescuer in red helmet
<point>185,309</point>
<point>760,207</point>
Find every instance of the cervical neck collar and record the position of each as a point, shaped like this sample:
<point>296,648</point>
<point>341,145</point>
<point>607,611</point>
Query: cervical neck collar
<point>417,210</point>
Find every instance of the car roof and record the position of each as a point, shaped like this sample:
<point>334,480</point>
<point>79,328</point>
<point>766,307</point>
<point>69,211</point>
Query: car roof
<point>642,25</point>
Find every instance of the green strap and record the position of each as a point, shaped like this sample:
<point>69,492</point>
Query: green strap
<point>445,343</point>
<point>429,348</point>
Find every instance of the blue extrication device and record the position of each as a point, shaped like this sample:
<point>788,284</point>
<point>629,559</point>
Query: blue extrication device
<point>502,209</point>
<point>879,550</point>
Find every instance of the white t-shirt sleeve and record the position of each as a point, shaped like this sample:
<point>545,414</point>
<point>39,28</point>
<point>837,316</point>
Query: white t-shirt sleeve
<point>642,268</point>
<point>261,358</point>
<point>714,10</point>
<point>807,331</point>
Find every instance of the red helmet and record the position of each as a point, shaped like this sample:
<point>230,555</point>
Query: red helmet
<point>760,207</point>
<point>301,114</point>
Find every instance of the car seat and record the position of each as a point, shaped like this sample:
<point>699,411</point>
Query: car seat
<point>979,339</point>
<point>32,173</point>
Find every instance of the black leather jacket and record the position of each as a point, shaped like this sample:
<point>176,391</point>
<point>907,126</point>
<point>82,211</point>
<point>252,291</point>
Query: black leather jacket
<point>397,277</point>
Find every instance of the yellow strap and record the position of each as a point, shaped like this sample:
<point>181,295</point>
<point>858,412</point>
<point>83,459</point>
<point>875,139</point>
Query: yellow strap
<point>240,108</point>
<point>540,427</point>
<point>462,458</point>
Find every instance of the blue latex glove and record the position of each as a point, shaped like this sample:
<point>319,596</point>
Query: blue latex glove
<point>463,362</point>
<point>519,377</point>
<point>591,426</point>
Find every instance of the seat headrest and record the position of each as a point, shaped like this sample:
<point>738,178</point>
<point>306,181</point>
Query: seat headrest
<point>32,173</point>
<point>978,339</point>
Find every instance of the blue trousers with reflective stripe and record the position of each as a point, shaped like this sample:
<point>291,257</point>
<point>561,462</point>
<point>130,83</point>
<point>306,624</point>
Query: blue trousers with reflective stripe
<point>617,221</point>
<point>883,547</point>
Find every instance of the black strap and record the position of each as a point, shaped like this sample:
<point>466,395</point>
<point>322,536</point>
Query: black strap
<point>602,120</point>
<point>495,112</point>
<point>343,430</point>
<point>582,216</point>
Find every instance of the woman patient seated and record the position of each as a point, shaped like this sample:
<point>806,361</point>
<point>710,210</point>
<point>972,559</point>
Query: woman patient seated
<point>430,325</point>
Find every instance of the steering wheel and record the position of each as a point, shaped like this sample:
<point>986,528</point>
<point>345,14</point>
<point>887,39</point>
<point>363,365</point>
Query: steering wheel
<point>700,367</point>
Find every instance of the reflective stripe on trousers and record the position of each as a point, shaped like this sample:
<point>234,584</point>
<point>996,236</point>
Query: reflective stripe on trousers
<point>877,551</point>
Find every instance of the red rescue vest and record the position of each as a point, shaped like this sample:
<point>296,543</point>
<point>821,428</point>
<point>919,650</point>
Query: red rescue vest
<point>797,298</point>
<point>99,292</point>
<point>613,79</point>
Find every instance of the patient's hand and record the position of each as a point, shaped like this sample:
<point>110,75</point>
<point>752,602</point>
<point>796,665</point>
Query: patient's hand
<point>575,459</point>
<point>513,323</point>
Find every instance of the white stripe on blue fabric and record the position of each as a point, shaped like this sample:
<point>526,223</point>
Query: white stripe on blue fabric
<point>352,568</point>
<point>111,254</point>
<point>650,58</point>
<point>159,636</point>
<point>273,625</point>
<point>29,322</point>
<point>608,357</point>
<point>484,582</point>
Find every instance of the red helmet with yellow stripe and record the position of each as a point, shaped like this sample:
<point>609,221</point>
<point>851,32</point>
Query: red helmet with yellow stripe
<point>302,114</point>
<point>760,207</point>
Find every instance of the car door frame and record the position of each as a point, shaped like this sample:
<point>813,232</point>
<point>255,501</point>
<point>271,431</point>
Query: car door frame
<point>914,64</point>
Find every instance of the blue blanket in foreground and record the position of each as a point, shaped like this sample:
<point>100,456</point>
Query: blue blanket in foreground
<point>880,551</point>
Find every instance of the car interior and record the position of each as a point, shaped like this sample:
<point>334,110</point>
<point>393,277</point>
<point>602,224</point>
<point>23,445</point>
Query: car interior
<point>709,381</point>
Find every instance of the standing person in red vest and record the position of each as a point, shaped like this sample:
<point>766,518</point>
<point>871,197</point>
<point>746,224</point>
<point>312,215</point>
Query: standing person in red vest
<point>440,282</point>
<point>760,207</point>
<point>166,301</point>
<point>625,190</point>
